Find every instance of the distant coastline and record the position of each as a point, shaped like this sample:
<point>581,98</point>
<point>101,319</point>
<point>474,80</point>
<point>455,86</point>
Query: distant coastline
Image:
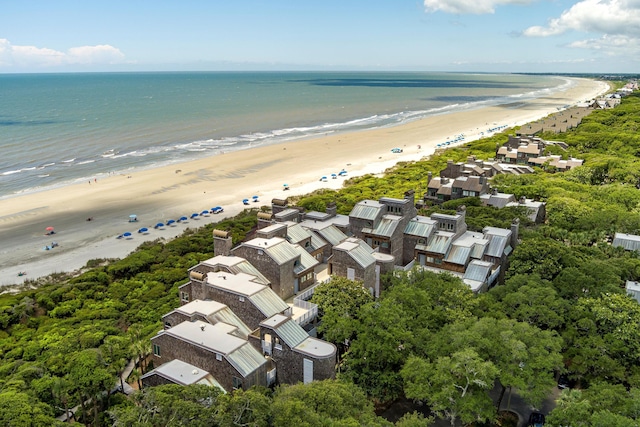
<point>79,127</point>
<point>158,194</point>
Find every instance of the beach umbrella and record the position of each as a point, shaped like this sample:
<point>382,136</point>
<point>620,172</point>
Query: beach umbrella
<point>255,198</point>
<point>127,234</point>
<point>245,201</point>
<point>334,176</point>
<point>204,213</point>
<point>143,230</point>
<point>194,215</point>
<point>159,225</point>
<point>183,218</point>
<point>171,221</point>
<point>133,216</point>
<point>49,228</point>
<point>285,185</point>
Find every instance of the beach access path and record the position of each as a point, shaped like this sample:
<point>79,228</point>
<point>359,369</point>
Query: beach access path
<point>169,192</point>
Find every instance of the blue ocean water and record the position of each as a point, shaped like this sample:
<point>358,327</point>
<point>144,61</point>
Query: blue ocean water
<point>57,129</point>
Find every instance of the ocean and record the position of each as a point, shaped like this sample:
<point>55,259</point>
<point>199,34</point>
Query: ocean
<point>57,129</point>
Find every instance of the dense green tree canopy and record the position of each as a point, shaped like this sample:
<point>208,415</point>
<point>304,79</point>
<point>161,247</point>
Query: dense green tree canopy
<point>64,339</point>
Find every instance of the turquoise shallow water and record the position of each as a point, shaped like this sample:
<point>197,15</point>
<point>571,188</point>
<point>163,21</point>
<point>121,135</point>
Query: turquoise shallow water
<point>60,128</point>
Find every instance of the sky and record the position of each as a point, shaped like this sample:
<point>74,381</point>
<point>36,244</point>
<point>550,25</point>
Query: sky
<point>538,36</point>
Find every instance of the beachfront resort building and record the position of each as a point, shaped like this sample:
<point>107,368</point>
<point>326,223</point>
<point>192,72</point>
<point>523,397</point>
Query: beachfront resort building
<point>531,151</point>
<point>387,234</point>
<point>536,210</point>
<point>233,331</point>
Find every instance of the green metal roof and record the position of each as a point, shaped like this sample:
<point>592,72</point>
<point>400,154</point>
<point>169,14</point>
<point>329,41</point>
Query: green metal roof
<point>367,209</point>
<point>246,359</point>
<point>291,333</point>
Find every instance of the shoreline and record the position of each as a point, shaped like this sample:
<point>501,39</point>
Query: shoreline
<point>181,189</point>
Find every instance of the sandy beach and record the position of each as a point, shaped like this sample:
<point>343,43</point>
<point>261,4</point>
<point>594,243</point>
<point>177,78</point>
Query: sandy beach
<point>156,195</point>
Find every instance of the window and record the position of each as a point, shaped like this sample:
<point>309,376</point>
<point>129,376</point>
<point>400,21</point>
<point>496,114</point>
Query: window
<point>241,299</point>
<point>218,356</point>
<point>184,296</point>
<point>236,383</point>
<point>156,350</point>
<point>278,345</point>
<point>167,325</point>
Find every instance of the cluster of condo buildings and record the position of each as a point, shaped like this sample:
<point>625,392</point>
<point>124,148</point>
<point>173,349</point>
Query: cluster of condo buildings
<point>245,318</point>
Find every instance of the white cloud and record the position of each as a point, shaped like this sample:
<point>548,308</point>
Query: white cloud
<point>14,56</point>
<point>100,54</point>
<point>476,7</point>
<point>611,45</point>
<point>618,17</point>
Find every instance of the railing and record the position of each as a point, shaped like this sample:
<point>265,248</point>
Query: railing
<point>310,314</point>
<point>407,267</point>
<point>306,294</point>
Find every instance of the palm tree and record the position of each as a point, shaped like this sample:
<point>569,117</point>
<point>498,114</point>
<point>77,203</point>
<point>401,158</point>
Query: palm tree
<point>60,392</point>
